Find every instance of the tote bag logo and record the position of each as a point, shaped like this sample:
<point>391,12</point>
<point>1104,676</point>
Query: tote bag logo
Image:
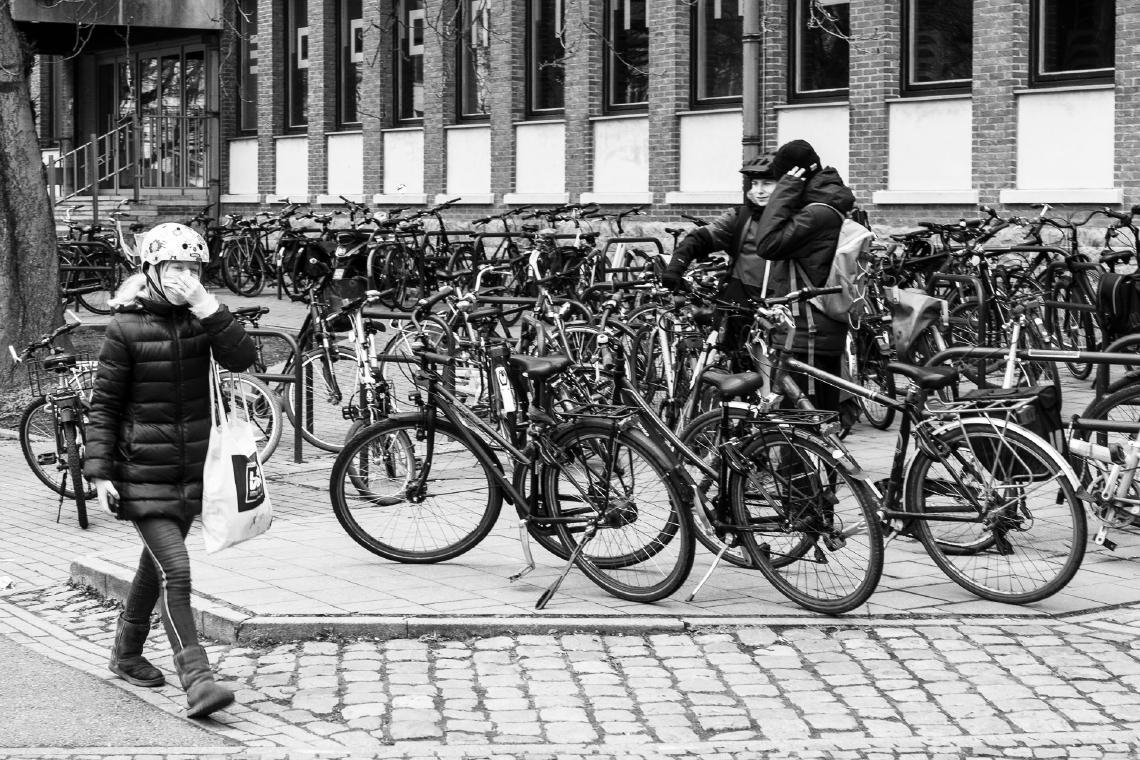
<point>250,482</point>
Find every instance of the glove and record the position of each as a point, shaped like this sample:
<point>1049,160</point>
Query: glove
<point>201,302</point>
<point>108,496</point>
<point>672,280</point>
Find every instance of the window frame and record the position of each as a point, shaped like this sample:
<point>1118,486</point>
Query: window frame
<point>834,95</point>
<point>400,60</point>
<point>608,62</point>
<point>695,67</point>
<point>345,42</point>
<point>1076,77</point>
<point>294,34</point>
<point>248,58</point>
<point>462,80</point>
<point>941,87</point>
<point>531,53</point>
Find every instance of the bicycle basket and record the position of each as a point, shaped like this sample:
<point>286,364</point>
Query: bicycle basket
<point>1037,409</point>
<point>42,374</point>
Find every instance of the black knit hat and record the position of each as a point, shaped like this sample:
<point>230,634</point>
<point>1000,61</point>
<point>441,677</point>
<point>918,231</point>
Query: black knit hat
<point>793,154</point>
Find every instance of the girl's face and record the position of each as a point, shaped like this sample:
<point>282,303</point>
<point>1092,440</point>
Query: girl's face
<point>173,271</point>
<point>761,191</point>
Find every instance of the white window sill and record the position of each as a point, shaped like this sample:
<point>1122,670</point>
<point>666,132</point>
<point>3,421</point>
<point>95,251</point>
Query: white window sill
<point>468,125</point>
<point>522,199</point>
<point>284,200</point>
<point>715,197</point>
<point>1109,195</point>
<point>416,128</point>
<point>633,198</point>
<point>242,198</point>
<point>619,116</point>
<point>712,111</point>
<point>822,104</point>
<point>1065,88</point>
<point>399,199</point>
<point>244,138</point>
<point>334,200</point>
<point>467,199</point>
<point>932,197</point>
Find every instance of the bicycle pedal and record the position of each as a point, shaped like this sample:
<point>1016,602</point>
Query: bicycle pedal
<point>1103,539</point>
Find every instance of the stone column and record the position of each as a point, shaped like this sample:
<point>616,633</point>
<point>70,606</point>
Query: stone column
<point>584,23</point>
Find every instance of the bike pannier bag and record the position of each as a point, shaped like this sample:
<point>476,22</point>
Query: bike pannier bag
<point>1118,300</point>
<point>1041,416</point>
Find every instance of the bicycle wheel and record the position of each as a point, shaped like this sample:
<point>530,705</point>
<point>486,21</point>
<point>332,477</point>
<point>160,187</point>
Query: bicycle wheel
<point>74,470</point>
<point>378,499</point>
<point>874,376</point>
<point>1122,405</point>
<point>93,289</point>
<point>257,405</point>
<point>813,531</point>
<point>631,529</point>
<point>1027,538</point>
<point>702,435</point>
<point>243,268</point>
<point>1074,330</point>
<point>44,456</point>
<point>398,364</point>
<point>327,387</point>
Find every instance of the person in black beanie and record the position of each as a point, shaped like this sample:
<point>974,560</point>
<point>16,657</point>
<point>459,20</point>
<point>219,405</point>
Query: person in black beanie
<point>782,238</point>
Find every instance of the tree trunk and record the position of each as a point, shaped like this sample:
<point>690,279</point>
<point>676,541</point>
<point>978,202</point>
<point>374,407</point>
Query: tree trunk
<point>29,290</point>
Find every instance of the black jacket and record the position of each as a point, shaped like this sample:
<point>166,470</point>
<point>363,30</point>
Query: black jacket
<point>150,421</point>
<point>790,236</point>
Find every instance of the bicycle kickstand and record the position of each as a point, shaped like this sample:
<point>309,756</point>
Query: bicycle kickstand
<point>546,595</point>
<point>524,538</point>
<point>708,573</point>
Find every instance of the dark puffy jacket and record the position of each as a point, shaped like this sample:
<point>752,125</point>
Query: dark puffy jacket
<point>786,232</point>
<point>150,421</point>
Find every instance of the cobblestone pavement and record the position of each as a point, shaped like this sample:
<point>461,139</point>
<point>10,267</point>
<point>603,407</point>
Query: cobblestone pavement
<point>919,689</point>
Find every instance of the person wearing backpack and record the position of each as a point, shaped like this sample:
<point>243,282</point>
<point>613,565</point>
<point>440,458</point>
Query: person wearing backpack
<point>782,238</point>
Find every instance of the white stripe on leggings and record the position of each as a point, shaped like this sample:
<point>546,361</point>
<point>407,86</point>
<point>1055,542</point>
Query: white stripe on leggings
<point>165,596</point>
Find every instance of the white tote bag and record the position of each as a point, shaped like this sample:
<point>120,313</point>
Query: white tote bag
<point>235,504</point>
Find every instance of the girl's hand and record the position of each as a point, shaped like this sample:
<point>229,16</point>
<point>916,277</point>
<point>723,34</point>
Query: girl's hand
<point>108,496</point>
<point>796,172</point>
<point>189,289</point>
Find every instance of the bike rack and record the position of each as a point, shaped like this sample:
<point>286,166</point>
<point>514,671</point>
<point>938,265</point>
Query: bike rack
<point>296,379</point>
<point>1103,359</point>
<point>607,270</point>
<point>1100,385</point>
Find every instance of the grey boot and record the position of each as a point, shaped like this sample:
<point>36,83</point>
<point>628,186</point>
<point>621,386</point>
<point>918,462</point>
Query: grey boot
<point>127,661</point>
<point>203,696</point>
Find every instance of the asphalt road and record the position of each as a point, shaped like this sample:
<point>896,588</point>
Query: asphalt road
<point>46,704</point>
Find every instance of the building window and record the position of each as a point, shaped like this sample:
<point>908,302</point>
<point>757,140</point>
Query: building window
<point>627,54</point>
<point>1073,40</point>
<point>474,58</point>
<point>546,54</point>
<point>718,50</point>
<point>820,33</point>
<point>410,60</point>
<point>247,66</point>
<point>297,45</point>
<point>350,44</point>
<point>939,44</point>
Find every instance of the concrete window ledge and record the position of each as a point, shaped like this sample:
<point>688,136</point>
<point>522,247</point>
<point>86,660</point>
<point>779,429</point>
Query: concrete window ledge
<point>925,197</point>
<point>400,199</point>
<point>334,200</point>
<point>287,199</point>
<point>521,199</point>
<point>634,198</point>
<point>467,199</point>
<point>1109,195</point>
<point>242,198</point>
<point>717,197</point>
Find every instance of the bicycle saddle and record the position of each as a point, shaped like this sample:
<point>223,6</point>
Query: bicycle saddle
<point>540,367</point>
<point>733,386</point>
<point>928,378</point>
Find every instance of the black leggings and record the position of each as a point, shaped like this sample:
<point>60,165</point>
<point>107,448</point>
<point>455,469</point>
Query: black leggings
<point>163,574</point>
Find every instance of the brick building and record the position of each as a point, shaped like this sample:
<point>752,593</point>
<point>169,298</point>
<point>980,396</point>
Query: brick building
<point>928,107</point>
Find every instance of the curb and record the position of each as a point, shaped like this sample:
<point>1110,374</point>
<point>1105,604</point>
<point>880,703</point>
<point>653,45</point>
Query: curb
<point>223,622</point>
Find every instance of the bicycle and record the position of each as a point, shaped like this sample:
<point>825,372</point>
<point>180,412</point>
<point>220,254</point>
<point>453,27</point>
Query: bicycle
<point>52,428</point>
<point>427,486</point>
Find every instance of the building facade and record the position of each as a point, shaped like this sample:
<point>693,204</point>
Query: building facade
<point>928,107</point>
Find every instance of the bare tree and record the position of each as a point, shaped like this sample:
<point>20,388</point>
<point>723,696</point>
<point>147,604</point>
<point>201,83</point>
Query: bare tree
<point>29,300</point>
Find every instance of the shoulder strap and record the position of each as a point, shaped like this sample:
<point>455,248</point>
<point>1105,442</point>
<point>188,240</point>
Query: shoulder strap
<point>842,216</point>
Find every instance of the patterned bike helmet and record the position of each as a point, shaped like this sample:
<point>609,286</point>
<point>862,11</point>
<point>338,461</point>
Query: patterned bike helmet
<point>173,242</point>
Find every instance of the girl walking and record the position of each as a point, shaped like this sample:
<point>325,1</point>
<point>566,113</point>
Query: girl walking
<point>146,444</point>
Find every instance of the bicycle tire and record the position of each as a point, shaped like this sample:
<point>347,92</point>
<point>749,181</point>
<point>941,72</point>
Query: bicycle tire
<point>804,517</point>
<point>243,269</point>
<point>871,368</point>
<point>1074,330</point>
<point>323,422</point>
<point>702,435</point>
<point>257,405</point>
<point>75,469</point>
<point>37,436</point>
<point>108,280</point>
<point>1122,405</point>
<point>401,375</point>
<point>403,530</point>
<point>643,547</point>
<point>1016,465</point>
